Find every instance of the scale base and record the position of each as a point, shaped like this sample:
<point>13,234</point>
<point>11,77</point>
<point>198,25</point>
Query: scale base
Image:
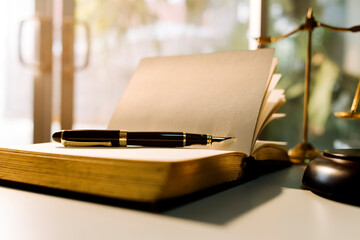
<point>303,153</point>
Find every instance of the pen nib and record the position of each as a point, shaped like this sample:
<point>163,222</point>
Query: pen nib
<point>220,139</point>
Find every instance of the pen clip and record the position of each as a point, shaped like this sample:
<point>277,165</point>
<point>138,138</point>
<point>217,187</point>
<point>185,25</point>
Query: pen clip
<point>68,143</point>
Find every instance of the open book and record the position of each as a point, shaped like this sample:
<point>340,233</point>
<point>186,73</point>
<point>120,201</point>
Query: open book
<point>223,94</point>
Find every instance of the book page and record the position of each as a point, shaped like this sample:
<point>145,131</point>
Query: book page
<point>275,100</point>
<point>272,117</point>
<point>272,84</point>
<point>260,143</point>
<point>217,93</point>
<point>129,153</point>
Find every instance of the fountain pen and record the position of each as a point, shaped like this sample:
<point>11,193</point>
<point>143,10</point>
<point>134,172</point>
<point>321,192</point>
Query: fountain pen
<point>118,138</point>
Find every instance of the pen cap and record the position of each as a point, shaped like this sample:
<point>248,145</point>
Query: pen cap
<point>57,136</point>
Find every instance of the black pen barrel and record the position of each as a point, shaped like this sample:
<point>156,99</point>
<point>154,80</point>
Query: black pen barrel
<point>156,139</point>
<point>165,139</point>
<point>91,135</point>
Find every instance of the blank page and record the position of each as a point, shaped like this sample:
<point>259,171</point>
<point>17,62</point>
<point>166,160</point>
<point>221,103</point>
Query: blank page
<point>216,93</point>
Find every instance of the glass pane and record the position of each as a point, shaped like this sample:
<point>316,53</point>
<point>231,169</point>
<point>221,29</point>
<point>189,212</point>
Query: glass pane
<point>16,81</point>
<point>123,32</point>
<point>334,76</point>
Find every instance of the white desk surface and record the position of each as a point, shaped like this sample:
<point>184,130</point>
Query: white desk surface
<point>271,207</point>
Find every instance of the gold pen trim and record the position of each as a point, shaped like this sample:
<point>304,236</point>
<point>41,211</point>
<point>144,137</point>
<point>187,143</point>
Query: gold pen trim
<point>68,143</point>
<point>122,138</point>
<point>62,135</point>
<point>184,139</point>
<point>208,140</point>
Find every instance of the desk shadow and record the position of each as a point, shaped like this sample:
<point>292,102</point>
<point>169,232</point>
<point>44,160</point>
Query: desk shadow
<point>225,206</point>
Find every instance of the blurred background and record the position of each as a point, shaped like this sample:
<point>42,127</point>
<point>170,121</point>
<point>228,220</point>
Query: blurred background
<point>66,63</point>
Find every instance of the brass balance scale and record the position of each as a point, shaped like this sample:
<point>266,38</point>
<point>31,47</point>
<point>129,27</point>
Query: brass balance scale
<point>304,152</point>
